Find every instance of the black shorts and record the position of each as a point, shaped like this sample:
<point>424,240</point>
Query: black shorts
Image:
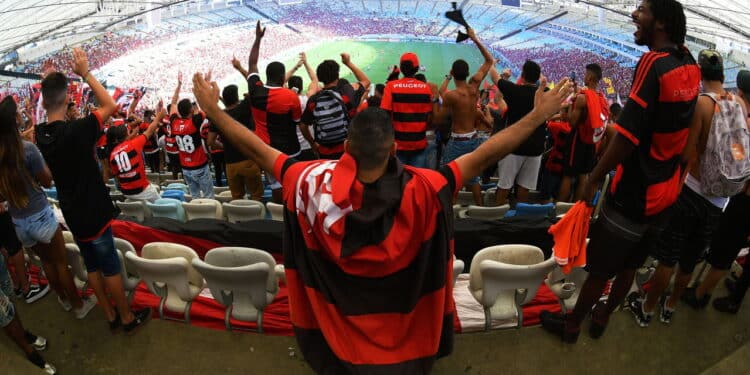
<point>579,158</point>
<point>101,153</point>
<point>688,233</point>
<point>618,243</point>
<point>174,161</point>
<point>8,238</point>
<point>731,235</point>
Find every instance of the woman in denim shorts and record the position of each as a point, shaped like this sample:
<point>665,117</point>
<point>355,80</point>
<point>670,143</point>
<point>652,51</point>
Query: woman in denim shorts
<point>22,170</point>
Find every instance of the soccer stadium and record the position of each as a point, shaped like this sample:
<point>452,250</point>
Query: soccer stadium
<point>374,186</point>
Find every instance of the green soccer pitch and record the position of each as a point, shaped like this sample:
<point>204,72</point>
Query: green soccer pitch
<point>375,58</point>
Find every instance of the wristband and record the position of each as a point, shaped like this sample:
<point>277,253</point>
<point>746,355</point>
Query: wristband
<point>448,77</point>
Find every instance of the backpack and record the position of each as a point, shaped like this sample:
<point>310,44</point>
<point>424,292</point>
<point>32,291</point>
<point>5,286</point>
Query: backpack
<point>331,123</point>
<point>725,165</point>
<point>593,129</point>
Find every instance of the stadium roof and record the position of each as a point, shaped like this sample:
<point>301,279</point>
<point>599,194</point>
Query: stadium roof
<point>27,21</point>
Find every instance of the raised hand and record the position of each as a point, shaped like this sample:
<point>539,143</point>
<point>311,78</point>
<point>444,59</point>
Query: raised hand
<point>80,63</point>
<point>236,63</point>
<point>259,32</point>
<point>160,108</point>
<point>345,58</point>
<point>206,93</point>
<point>549,103</point>
<point>179,78</point>
<point>303,57</point>
<point>507,73</point>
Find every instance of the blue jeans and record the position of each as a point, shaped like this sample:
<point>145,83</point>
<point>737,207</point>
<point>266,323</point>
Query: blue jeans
<point>199,182</point>
<point>7,310</point>
<point>101,254</point>
<point>417,158</point>
<point>431,158</point>
<point>455,149</point>
<point>36,228</point>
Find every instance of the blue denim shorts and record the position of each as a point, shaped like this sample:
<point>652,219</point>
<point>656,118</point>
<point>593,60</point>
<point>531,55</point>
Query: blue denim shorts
<point>36,228</point>
<point>455,149</point>
<point>7,310</point>
<point>101,254</point>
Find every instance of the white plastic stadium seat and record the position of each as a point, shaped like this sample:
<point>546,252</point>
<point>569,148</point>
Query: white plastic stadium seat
<point>490,197</point>
<point>203,209</point>
<point>168,273</point>
<point>244,210</point>
<point>562,208</point>
<point>504,278</point>
<point>130,278</point>
<point>167,207</point>
<point>566,287</point>
<point>136,209</point>
<point>224,197</point>
<point>485,213</point>
<point>75,261</point>
<point>458,267</point>
<point>154,178</point>
<point>242,279</point>
<point>276,210</point>
<point>220,189</point>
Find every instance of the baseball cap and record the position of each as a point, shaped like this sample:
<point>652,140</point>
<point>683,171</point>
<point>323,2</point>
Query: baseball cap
<point>743,81</point>
<point>410,57</point>
<point>710,60</point>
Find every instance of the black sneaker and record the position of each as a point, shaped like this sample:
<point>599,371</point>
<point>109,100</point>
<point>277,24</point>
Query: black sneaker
<point>665,316</point>
<point>142,316</point>
<point>599,320</point>
<point>38,342</point>
<point>727,305</point>
<point>37,359</point>
<point>691,300</point>
<point>636,307</point>
<point>35,293</point>
<point>555,324</point>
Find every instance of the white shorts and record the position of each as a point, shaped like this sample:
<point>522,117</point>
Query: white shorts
<point>521,170</point>
<point>148,194</point>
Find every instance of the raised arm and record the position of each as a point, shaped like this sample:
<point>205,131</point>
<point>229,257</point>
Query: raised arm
<point>489,61</point>
<point>494,74</point>
<point>444,86</point>
<point>501,144</point>
<point>107,105</point>
<point>314,86</point>
<point>255,51</point>
<point>207,95</point>
<point>576,115</point>
<point>176,96</point>
<point>358,73</point>
<point>291,72</point>
<point>154,125</point>
<point>238,67</point>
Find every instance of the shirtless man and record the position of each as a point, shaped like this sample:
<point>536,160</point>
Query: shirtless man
<point>461,105</point>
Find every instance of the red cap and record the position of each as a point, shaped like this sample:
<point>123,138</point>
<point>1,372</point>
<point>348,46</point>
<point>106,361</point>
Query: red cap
<point>410,57</point>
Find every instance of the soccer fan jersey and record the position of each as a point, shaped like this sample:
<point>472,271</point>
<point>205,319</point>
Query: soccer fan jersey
<point>410,102</point>
<point>151,145</point>
<point>186,133</point>
<point>559,131</point>
<point>656,119</point>
<point>369,266</point>
<point>126,163</point>
<point>277,112</point>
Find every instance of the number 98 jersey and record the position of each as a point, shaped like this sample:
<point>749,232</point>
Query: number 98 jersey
<point>186,132</point>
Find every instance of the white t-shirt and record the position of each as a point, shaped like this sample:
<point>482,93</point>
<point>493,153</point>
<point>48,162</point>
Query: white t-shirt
<point>303,143</point>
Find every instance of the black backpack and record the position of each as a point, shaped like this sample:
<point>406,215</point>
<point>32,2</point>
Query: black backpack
<point>331,124</point>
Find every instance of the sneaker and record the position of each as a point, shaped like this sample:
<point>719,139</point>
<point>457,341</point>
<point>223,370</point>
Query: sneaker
<point>727,305</point>
<point>38,342</point>
<point>665,316</point>
<point>690,299</point>
<point>64,304</point>
<point>636,307</point>
<point>142,316</point>
<point>37,359</point>
<point>35,293</point>
<point>88,305</point>
<point>555,324</point>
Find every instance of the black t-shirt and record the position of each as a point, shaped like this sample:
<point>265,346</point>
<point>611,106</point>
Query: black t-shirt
<point>68,149</point>
<point>241,112</point>
<point>520,99</point>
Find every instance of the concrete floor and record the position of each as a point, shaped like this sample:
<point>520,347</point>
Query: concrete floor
<point>697,342</point>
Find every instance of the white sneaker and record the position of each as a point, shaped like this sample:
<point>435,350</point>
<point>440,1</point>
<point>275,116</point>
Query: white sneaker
<point>64,304</point>
<point>88,304</point>
<point>49,369</point>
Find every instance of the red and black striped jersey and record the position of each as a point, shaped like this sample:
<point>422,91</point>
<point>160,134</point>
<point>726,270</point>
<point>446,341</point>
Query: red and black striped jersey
<point>277,112</point>
<point>126,163</point>
<point>102,141</point>
<point>369,266</point>
<point>410,102</point>
<point>186,133</point>
<point>656,119</point>
<point>559,131</point>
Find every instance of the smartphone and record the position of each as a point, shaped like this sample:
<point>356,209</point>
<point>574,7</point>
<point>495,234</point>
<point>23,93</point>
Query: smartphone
<point>573,76</point>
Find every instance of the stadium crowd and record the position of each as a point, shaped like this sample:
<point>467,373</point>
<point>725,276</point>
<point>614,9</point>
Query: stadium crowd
<point>365,171</point>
